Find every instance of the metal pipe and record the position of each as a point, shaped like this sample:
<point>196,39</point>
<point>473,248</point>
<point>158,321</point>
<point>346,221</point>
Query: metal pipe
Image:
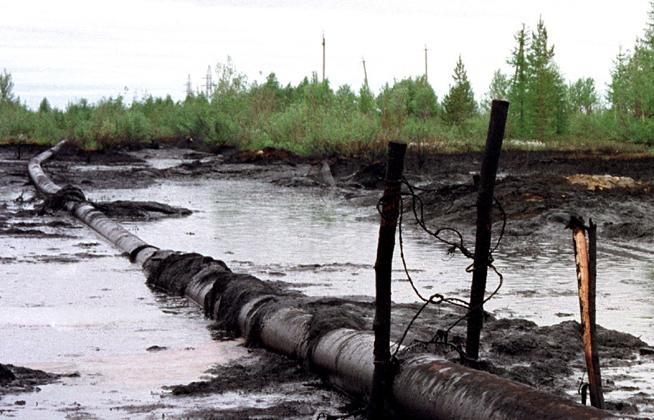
<point>137,249</point>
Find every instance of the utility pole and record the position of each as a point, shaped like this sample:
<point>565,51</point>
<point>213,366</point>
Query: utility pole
<point>426,77</point>
<point>208,82</point>
<point>323,57</point>
<point>365,72</point>
<point>189,87</point>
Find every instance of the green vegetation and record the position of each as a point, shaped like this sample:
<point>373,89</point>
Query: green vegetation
<point>313,118</point>
<point>459,104</point>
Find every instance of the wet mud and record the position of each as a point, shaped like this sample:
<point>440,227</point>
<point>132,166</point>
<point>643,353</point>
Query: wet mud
<point>268,373</point>
<point>538,192</point>
<point>18,379</point>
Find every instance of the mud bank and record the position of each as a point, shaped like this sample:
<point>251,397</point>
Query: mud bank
<point>17,379</point>
<point>272,374</point>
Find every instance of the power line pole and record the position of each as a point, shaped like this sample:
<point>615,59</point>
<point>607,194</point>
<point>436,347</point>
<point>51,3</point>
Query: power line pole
<point>426,77</point>
<point>365,72</point>
<point>323,57</point>
<point>208,82</point>
<point>189,86</point>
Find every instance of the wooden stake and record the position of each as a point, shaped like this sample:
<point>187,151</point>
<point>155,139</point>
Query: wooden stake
<point>586,262</point>
<point>383,266</point>
<point>499,111</point>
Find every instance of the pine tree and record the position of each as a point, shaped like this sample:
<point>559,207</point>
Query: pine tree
<point>6,88</point>
<point>459,104</point>
<point>545,101</point>
<point>423,102</point>
<point>582,96</point>
<point>618,93</point>
<point>631,91</point>
<point>366,99</point>
<point>518,89</point>
<point>499,88</point>
<point>44,106</point>
<point>649,30</point>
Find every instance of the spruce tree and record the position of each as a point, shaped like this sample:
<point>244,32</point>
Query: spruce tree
<point>44,106</point>
<point>518,89</point>
<point>499,88</point>
<point>545,101</point>
<point>6,88</point>
<point>459,104</point>
<point>618,93</point>
<point>582,96</point>
<point>631,91</point>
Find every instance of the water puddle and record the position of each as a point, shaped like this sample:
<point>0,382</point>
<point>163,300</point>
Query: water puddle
<point>95,318</point>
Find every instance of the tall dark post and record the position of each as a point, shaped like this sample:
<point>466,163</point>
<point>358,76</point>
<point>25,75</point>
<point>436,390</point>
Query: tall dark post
<point>382,324</point>
<point>499,111</point>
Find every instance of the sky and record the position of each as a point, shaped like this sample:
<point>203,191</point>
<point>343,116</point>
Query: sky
<point>69,49</point>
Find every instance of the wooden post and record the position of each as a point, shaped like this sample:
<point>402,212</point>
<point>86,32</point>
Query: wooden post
<point>365,72</point>
<point>489,164</point>
<point>382,323</point>
<point>586,262</point>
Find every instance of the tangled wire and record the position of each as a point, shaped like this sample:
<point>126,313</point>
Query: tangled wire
<point>456,244</point>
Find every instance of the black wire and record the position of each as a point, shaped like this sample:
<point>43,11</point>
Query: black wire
<point>417,206</point>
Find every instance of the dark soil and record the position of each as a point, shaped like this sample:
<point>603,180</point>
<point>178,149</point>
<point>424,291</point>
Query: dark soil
<point>139,210</point>
<point>267,373</point>
<point>17,379</point>
<point>263,371</point>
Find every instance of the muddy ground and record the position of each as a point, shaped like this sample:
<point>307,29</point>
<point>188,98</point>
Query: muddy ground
<point>538,192</point>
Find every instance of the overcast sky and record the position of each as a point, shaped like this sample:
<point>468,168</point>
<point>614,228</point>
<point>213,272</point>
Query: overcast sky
<point>69,49</point>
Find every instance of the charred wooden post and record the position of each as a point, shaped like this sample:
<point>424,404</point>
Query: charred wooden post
<point>586,263</point>
<point>488,174</point>
<point>390,210</point>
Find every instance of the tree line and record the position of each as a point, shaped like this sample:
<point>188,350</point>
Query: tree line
<point>311,117</point>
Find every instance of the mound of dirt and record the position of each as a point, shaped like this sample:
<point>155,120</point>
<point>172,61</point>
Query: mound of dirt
<point>139,210</point>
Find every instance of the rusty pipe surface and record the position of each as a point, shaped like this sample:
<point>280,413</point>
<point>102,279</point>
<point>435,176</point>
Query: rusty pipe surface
<point>137,249</point>
<point>424,386</point>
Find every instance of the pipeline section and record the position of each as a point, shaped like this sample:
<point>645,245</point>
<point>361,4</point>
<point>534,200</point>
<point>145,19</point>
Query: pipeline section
<point>137,250</point>
<point>325,333</point>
